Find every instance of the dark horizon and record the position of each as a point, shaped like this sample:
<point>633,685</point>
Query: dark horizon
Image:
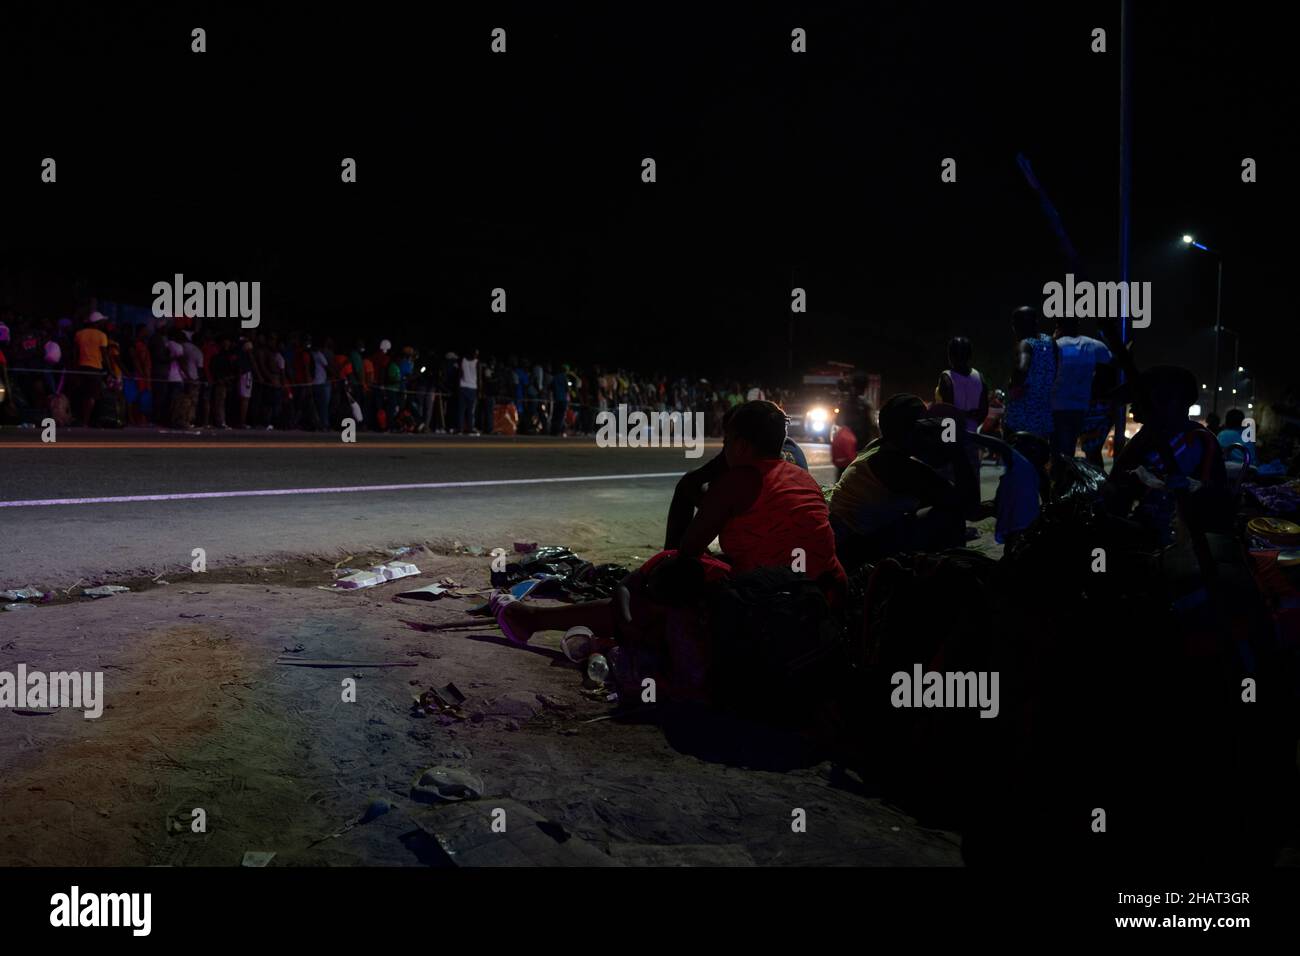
<point>774,170</point>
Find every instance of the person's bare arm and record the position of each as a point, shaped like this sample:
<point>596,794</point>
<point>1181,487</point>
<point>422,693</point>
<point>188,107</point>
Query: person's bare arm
<point>1020,372</point>
<point>943,391</point>
<point>732,493</point>
<point>687,495</point>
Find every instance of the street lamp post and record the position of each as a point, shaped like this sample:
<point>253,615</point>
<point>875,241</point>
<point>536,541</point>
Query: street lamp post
<point>1218,317</point>
<point>1218,331</point>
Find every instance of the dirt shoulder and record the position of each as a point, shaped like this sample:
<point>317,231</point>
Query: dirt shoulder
<point>198,714</point>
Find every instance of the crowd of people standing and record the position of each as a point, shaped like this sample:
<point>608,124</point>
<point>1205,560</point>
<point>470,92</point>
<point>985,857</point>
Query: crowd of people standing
<point>89,370</point>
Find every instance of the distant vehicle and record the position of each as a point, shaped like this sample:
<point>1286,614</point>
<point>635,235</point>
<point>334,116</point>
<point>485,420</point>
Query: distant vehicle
<point>825,390</point>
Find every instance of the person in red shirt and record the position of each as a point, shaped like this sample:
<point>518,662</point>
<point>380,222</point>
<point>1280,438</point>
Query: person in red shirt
<point>764,511</point>
<point>844,446</point>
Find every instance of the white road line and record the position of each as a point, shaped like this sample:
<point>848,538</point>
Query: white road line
<point>272,492</point>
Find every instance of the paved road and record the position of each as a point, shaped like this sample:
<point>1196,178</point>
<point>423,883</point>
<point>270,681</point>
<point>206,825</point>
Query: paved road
<point>261,497</point>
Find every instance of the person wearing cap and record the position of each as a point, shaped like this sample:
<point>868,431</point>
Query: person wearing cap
<point>90,346</point>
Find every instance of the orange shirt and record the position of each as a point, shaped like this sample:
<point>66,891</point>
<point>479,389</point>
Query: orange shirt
<point>89,342</point>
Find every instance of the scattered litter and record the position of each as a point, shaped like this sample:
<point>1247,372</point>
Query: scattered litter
<point>520,591</point>
<point>295,649</point>
<point>21,594</point>
<point>475,549</point>
<point>568,732</point>
<point>576,643</point>
<point>24,712</point>
<point>193,592</point>
<point>446,785</point>
<point>105,590</point>
<point>20,607</point>
<point>258,858</point>
<point>446,701</point>
<point>398,552</point>
<point>359,579</point>
<point>396,569</point>
<point>379,574</point>
<point>523,547</point>
<point>566,574</point>
<point>430,592</point>
<point>162,582</point>
<point>450,583</point>
<point>193,615</point>
<point>321,662</point>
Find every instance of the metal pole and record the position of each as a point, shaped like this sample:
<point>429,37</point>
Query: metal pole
<point>1218,335</point>
<point>1125,187</point>
<point>1236,361</point>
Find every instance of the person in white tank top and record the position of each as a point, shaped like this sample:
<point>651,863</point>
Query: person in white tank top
<point>962,386</point>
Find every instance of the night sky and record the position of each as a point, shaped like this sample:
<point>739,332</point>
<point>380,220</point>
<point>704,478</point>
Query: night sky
<point>774,169</point>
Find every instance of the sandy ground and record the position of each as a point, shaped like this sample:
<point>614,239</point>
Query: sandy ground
<point>199,715</point>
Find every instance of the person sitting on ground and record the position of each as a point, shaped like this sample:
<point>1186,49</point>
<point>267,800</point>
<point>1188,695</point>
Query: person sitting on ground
<point>692,485</point>
<point>892,497</point>
<point>1171,456</point>
<point>764,511</point>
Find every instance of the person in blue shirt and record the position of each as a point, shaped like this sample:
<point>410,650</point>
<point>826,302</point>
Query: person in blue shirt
<point>1231,434</point>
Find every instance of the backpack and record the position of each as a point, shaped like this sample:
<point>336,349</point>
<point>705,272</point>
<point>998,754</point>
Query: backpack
<point>773,638</point>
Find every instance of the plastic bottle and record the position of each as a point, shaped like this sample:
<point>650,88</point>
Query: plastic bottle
<point>597,668</point>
